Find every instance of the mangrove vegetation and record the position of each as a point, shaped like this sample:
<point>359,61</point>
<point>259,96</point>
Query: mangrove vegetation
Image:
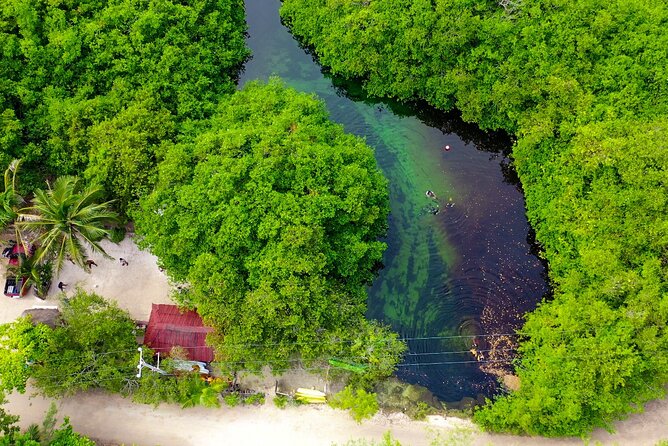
<point>582,85</point>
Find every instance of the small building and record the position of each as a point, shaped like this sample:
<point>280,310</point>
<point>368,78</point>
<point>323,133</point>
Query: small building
<point>168,327</point>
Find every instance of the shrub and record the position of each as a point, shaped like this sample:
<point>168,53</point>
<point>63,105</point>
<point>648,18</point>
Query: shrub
<point>154,389</point>
<point>361,403</point>
<point>420,411</point>
<point>255,399</point>
<point>116,235</point>
<point>281,401</point>
<point>232,399</point>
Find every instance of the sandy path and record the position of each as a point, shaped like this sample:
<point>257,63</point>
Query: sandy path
<point>112,418</point>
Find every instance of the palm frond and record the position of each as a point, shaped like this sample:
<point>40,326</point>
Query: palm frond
<point>66,219</point>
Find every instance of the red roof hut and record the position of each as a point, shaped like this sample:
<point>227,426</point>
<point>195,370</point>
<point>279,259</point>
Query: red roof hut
<point>169,327</point>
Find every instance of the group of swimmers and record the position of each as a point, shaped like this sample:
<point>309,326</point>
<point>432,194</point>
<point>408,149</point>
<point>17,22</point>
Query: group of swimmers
<point>435,208</point>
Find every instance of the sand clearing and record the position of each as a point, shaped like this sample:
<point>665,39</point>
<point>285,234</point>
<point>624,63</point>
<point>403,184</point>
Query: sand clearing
<point>135,286</point>
<point>111,418</point>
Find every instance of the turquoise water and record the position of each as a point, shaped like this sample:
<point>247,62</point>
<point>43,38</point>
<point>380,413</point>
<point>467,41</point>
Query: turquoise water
<point>468,270</point>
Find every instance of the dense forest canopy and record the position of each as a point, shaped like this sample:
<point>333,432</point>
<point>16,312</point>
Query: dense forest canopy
<point>584,86</point>
<point>100,86</point>
<point>268,210</point>
<point>272,214</point>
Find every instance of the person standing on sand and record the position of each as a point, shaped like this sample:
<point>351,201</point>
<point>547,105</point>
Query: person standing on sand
<point>90,263</point>
<point>61,286</point>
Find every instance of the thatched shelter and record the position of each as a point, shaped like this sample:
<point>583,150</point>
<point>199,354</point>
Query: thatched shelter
<point>46,316</point>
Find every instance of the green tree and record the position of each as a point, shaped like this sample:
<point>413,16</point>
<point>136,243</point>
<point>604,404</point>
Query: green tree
<point>10,200</point>
<point>95,348</point>
<point>273,215</point>
<point>71,66</point>
<point>581,85</point>
<point>126,148</point>
<point>7,421</point>
<point>374,347</point>
<point>21,345</point>
<point>68,218</point>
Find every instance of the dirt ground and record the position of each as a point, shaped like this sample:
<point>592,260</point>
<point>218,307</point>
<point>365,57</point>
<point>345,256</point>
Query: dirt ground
<point>117,420</point>
<point>114,419</point>
<point>135,286</point>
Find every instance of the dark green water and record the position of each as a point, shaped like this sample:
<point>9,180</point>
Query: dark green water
<point>456,279</point>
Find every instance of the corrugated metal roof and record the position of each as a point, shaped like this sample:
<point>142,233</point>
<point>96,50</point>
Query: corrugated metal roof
<point>168,327</point>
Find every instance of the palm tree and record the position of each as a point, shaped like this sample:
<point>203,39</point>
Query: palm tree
<point>66,218</point>
<point>10,200</point>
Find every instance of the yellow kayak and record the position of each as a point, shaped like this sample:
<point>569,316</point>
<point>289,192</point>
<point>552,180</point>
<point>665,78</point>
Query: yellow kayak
<point>310,396</point>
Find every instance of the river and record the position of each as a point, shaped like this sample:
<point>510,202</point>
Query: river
<point>461,267</point>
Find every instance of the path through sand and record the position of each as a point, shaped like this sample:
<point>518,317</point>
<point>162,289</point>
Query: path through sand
<point>112,418</point>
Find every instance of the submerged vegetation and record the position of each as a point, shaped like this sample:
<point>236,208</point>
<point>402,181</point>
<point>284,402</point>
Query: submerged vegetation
<point>582,85</point>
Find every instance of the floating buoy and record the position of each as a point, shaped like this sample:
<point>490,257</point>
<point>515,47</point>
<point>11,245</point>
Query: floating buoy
<point>446,148</point>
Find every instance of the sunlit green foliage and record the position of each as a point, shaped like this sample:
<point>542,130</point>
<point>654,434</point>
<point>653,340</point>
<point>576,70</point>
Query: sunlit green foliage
<point>95,348</point>
<point>69,66</point>
<point>7,422</point>
<point>583,86</point>
<point>44,435</point>
<point>21,344</point>
<point>361,403</point>
<point>272,214</point>
<point>188,389</point>
<point>67,219</point>
<point>552,59</point>
<point>124,150</point>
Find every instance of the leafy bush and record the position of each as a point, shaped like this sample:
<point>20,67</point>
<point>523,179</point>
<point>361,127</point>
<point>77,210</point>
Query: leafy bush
<point>21,343</point>
<point>256,399</point>
<point>154,389</point>
<point>189,390</point>
<point>360,403</point>
<point>194,391</point>
<point>44,435</point>
<point>420,411</point>
<point>95,348</point>
<point>280,401</point>
<point>232,399</point>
